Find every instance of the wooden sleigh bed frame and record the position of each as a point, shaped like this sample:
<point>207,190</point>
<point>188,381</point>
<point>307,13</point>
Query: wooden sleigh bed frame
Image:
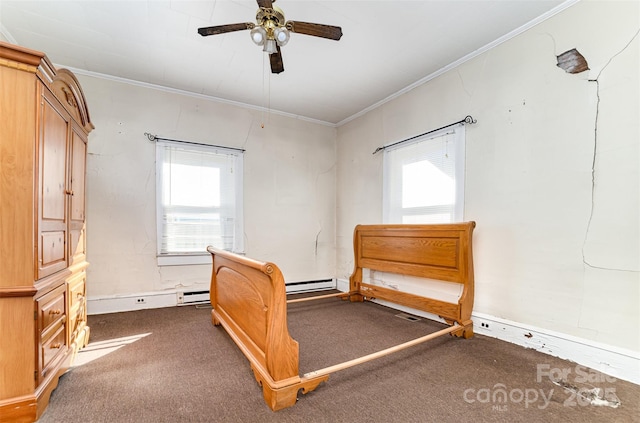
<point>249,298</point>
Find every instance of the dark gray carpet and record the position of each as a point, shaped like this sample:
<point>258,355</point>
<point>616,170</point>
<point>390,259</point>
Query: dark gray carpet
<point>186,370</point>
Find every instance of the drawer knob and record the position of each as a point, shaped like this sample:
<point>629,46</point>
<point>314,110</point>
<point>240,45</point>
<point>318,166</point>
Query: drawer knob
<point>55,312</point>
<point>56,346</point>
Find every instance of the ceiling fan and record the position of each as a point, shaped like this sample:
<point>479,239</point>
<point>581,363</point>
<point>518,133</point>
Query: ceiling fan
<point>272,31</point>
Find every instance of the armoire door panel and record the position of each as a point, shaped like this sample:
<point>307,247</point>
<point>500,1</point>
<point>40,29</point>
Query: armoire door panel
<point>52,186</point>
<point>53,163</point>
<point>52,249</point>
<point>78,158</point>
<point>77,244</point>
<point>77,240</point>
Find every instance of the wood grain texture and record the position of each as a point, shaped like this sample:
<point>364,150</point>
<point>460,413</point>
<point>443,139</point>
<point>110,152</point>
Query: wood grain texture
<point>442,252</point>
<point>249,299</point>
<point>43,126</point>
<point>17,174</point>
<point>52,223</point>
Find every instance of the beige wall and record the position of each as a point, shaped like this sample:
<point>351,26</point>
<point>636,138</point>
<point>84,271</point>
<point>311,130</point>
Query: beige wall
<point>554,248</point>
<point>289,185</point>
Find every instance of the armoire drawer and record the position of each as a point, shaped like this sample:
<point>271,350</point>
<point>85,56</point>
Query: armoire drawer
<point>77,290</point>
<point>52,347</point>
<point>51,308</point>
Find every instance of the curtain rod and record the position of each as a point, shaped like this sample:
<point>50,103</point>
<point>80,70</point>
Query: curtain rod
<point>154,138</point>
<point>468,119</point>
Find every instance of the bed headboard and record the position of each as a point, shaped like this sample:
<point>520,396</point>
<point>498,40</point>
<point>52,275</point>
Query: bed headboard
<point>441,251</point>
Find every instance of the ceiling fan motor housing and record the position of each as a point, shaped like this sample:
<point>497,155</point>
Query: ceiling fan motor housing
<point>270,18</point>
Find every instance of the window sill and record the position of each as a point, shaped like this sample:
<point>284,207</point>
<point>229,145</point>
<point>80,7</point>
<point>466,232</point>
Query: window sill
<point>184,260</point>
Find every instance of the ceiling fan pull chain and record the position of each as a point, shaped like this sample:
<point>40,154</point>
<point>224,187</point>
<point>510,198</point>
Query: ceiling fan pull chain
<point>264,62</point>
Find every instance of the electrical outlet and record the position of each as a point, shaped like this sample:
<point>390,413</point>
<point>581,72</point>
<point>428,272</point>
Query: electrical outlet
<point>140,301</point>
<point>484,326</point>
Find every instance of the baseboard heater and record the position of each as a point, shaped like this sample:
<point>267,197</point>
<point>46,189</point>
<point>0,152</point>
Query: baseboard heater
<point>202,297</point>
<point>193,297</point>
<point>317,285</point>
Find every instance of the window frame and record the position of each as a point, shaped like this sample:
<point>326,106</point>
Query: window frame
<point>194,258</point>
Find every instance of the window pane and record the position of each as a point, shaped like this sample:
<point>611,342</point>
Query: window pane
<point>192,186</point>
<point>187,231</point>
<point>424,184</point>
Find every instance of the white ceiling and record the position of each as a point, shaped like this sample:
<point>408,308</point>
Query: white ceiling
<point>387,46</point>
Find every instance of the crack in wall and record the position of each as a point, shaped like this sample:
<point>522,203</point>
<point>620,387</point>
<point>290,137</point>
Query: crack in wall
<point>464,88</point>
<point>316,245</point>
<point>595,152</point>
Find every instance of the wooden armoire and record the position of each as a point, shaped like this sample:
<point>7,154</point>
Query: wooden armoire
<point>44,127</point>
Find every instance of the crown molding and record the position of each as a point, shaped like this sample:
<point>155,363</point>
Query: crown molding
<point>84,72</point>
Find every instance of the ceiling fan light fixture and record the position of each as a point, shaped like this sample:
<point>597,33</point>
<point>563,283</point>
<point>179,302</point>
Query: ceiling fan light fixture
<point>270,46</point>
<point>281,35</point>
<point>258,35</point>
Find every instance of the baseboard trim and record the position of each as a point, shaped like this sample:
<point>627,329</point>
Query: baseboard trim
<point>610,360</point>
<point>122,303</point>
<point>613,361</point>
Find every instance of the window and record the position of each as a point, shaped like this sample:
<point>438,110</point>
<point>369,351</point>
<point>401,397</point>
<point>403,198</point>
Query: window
<point>424,179</point>
<point>199,201</point>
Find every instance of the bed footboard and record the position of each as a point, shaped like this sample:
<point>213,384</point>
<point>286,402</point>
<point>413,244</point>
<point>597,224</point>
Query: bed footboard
<point>249,300</point>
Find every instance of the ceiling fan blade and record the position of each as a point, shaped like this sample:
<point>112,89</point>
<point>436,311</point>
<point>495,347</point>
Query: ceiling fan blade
<point>265,3</point>
<point>276,61</point>
<point>317,30</point>
<point>221,29</point>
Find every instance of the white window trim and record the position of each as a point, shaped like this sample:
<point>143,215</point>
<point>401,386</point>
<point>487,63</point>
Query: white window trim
<point>204,257</point>
<point>183,259</point>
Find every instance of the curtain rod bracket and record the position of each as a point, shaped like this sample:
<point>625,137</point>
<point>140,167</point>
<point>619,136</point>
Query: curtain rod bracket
<point>467,119</point>
<point>151,137</point>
